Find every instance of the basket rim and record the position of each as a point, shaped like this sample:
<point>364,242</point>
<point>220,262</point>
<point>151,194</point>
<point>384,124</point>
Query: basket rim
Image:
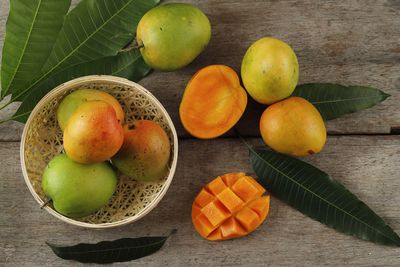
<point>81,81</point>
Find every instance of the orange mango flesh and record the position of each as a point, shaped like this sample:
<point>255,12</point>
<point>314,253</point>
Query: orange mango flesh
<point>230,206</point>
<point>213,102</point>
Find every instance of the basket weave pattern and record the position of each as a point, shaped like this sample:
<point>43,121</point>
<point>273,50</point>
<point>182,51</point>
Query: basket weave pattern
<point>44,141</point>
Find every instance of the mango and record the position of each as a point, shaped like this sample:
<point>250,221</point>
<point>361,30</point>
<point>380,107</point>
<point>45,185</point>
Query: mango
<point>145,153</point>
<point>270,70</point>
<point>294,127</point>
<point>78,190</point>
<point>72,101</point>
<point>171,36</point>
<point>213,102</point>
<point>230,206</point>
<point>93,133</point>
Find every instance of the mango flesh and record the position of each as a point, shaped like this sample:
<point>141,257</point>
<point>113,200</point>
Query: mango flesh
<point>145,153</point>
<point>72,101</point>
<point>294,127</point>
<point>173,35</point>
<point>230,206</point>
<point>213,102</point>
<point>93,133</point>
<point>270,70</point>
<point>78,190</point>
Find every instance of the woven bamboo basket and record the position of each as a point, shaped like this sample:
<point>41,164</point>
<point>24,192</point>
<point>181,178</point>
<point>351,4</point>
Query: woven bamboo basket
<point>42,140</point>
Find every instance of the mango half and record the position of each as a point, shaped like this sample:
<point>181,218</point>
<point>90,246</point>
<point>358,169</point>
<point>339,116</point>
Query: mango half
<point>213,102</point>
<point>230,206</point>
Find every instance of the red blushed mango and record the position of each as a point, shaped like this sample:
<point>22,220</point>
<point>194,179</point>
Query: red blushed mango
<point>93,133</point>
<point>72,101</point>
<point>293,126</point>
<point>145,153</point>
<point>213,102</point>
<point>230,206</point>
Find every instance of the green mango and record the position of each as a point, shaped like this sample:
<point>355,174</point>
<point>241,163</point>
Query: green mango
<point>172,35</point>
<point>78,190</point>
<point>72,101</point>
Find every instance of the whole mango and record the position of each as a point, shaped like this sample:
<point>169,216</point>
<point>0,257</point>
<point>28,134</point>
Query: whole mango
<point>93,133</point>
<point>172,35</point>
<point>270,70</point>
<point>145,152</point>
<point>294,127</point>
<point>78,190</point>
<point>72,101</point>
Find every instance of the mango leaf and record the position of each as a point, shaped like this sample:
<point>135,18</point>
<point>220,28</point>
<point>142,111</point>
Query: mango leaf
<point>316,194</point>
<point>128,65</point>
<point>120,250</point>
<point>334,100</point>
<point>31,30</point>
<point>92,30</point>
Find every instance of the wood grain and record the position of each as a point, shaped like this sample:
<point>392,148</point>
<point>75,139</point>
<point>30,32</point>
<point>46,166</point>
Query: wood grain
<point>348,42</point>
<point>368,166</point>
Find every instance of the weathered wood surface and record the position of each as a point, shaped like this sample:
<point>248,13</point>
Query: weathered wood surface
<point>348,42</point>
<point>368,166</point>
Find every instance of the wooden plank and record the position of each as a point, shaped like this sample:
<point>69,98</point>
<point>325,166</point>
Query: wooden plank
<point>368,166</point>
<point>348,42</point>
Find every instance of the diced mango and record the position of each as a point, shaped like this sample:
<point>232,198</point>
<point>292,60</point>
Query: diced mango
<point>215,212</point>
<point>231,229</point>
<point>196,211</point>
<point>230,200</point>
<point>245,189</point>
<point>215,235</point>
<point>230,206</point>
<point>248,218</point>
<point>203,198</point>
<point>216,186</point>
<point>261,206</point>
<point>231,178</point>
<point>260,188</point>
<point>203,225</point>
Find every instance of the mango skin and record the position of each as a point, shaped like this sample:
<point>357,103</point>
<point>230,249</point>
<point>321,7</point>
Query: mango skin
<point>145,153</point>
<point>72,101</point>
<point>173,35</point>
<point>93,133</point>
<point>270,70</point>
<point>294,127</point>
<point>78,190</point>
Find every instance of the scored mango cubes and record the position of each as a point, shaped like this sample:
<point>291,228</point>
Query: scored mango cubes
<point>230,206</point>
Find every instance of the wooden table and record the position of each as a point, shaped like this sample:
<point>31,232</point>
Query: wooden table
<point>348,42</point>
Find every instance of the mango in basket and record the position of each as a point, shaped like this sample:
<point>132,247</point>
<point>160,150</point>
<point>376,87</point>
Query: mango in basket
<point>93,133</point>
<point>230,206</point>
<point>78,190</point>
<point>72,101</point>
<point>145,152</point>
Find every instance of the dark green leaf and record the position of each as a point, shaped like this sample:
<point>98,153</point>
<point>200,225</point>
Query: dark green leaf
<point>124,249</point>
<point>316,194</point>
<point>31,30</point>
<point>129,65</point>
<point>92,30</point>
<point>334,100</point>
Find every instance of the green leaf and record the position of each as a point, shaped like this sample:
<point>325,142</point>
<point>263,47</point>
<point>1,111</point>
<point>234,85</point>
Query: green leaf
<point>31,30</point>
<point>334,100</point>
<point>316,194</point>
<point>120,250</point>
<point>129,65</point>
<point>92,30</point>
